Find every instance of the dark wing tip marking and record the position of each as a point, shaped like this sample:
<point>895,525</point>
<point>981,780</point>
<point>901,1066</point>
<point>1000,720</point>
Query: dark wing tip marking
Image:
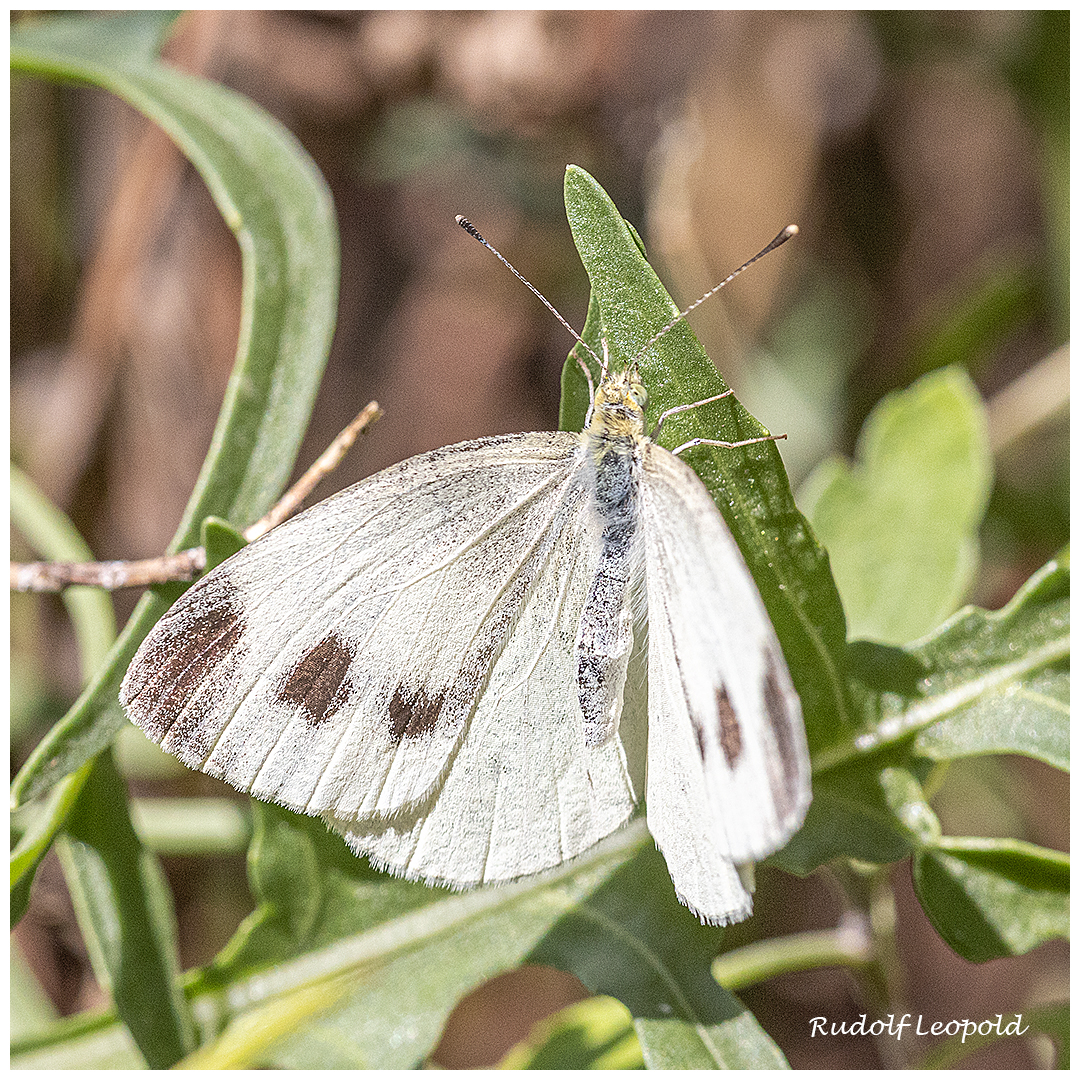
<point>181,662</point>
<point>731,741</point>
<point>413,712</point>
<point>699,735</point>
<point>780,720</point>
<point>319,684</point>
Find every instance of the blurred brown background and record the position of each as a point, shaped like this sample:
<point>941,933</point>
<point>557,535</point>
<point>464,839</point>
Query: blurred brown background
<point>924,156</point>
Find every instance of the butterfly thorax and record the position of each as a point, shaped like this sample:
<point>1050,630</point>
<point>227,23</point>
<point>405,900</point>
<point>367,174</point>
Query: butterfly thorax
<point>612,439</point>
<point>618,411</point>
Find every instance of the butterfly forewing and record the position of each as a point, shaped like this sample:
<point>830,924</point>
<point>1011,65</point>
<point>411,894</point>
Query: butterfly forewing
<point>728,707</point>
<point>307,668</point>
<point>679,813</point>
<point>405,669</point>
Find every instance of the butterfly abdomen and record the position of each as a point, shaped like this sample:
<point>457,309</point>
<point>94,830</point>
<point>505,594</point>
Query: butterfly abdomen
<point>605,631</point>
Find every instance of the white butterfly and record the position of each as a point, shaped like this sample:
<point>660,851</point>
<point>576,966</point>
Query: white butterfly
<point>447,662</point>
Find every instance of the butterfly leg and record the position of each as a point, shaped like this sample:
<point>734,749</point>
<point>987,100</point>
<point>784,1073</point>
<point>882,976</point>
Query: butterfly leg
<point>683,408</point>
<point>726,445</point>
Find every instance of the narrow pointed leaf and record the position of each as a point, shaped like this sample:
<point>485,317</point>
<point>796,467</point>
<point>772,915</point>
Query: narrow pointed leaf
<point>125,913</point>
<point>627,306</point>
<point>273,198</point>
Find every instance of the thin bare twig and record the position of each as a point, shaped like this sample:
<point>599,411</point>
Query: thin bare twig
<point>186,565</point>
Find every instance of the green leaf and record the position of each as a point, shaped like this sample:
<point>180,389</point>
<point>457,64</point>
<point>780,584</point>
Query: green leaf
<point>76,1042</point>
<point>278,206</point>
<point>628,304</point>
<point>993,898</point>
<point>55,538</point>
<point>985,677</point>
<point>137,36</point>
<point>631,939</point>
<point>903,792</point>
<point>398,956</point>
<point>1029,714</point>
<point>597,1033</point>
<point>1031,717</point>
<point>901,525</point>
<point>220,540</point>
<point>125,913</point>
<point>852,816</point>
<point>39,826</point>
<point>976,686</point>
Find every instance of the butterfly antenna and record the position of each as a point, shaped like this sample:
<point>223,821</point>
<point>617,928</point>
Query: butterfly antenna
<point>472,230</point>
<point>781,237</point>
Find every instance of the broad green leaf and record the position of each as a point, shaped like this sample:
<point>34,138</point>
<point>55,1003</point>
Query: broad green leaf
<point>960,691</point>
<point>310,891</point>
<point>126,917</point>
<point>632,940</point>
<point>901,525</point>
<point>597,1033</point>
<point>278,206</point>
<point>981,677</point>
<point>851,816</point>
<point>398,956</point>
<point>1030,718</point>
<point>1025,715</point>
<point>628,304</point>
<point>993,898</point>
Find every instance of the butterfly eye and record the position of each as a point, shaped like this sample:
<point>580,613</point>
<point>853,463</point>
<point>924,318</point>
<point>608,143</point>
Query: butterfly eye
<point>638,393</point>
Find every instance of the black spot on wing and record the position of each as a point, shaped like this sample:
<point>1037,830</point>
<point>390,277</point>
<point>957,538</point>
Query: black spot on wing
<point>181,661</point>
<point>319,684</point>
<point>413,712</point>
<point>729,731</point>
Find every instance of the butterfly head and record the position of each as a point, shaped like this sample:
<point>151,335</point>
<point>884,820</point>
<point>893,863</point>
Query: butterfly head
<point>618,408</point>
